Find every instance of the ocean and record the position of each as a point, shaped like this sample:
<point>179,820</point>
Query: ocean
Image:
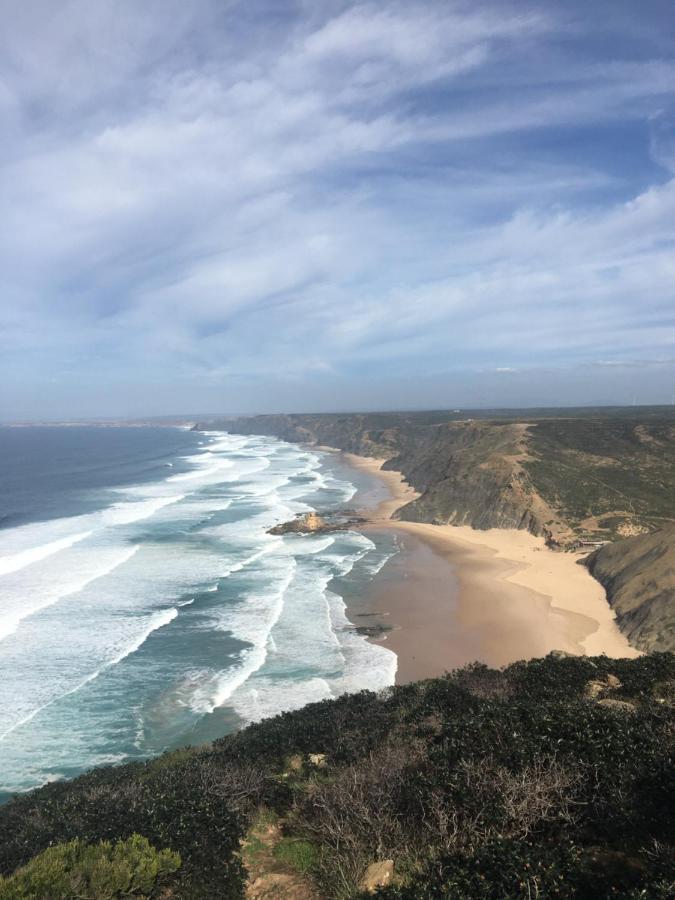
<point>143,606</point>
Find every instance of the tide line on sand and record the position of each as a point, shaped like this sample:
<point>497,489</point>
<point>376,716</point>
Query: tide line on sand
<point>503,596</point>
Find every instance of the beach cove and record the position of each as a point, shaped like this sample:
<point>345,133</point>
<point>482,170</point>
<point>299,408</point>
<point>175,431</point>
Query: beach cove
<point>455,594</point>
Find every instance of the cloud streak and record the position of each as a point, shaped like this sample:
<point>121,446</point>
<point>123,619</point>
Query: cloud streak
<point>204,202</point>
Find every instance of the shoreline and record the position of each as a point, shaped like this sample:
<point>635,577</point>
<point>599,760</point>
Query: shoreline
<point>399,490</point>
<point>455,594</point>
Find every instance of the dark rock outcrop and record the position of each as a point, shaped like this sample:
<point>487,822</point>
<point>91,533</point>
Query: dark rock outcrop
<point>311,523</point>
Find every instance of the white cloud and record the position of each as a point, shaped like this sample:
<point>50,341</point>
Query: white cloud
<point>188,191</point>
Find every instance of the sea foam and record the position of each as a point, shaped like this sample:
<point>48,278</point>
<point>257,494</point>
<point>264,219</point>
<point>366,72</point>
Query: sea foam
<point>127,627</point>
<point>23,558</point>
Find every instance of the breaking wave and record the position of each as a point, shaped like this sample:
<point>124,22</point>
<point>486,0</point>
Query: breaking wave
<point>149,621</point>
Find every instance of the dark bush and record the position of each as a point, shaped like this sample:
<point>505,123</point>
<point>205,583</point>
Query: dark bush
<point>515,870</point>
<point>172,806</point>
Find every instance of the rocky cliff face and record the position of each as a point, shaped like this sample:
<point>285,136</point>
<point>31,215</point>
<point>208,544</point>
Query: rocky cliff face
<point>639,576</point>
<point>469,473</point>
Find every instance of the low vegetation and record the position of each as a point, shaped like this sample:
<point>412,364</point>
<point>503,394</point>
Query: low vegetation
<point>130,868</point>
<point>551,778</point>
<point>606,479</point>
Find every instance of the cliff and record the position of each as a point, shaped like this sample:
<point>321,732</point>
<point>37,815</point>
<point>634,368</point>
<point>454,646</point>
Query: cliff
<point>639,576</point>
<point>591,477</point>
<point>585,476</point>
<point>471,473</point>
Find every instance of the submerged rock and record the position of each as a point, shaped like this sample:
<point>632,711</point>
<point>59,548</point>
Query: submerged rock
<point>372,631</point>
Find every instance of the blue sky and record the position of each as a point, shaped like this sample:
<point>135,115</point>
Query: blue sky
<point>260,206</point>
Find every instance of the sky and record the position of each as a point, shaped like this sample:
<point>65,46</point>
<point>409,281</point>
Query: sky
<point>261,206</point>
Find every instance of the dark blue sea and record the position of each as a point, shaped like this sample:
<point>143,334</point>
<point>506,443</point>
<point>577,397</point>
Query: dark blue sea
<point>143,606</point>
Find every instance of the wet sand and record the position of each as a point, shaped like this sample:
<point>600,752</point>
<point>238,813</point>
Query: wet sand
<point>456,594</point>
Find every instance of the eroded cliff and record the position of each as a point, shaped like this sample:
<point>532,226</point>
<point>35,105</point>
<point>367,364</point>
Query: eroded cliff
<point>638,574</point>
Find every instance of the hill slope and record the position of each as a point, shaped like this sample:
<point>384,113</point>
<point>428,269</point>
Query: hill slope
<point>594,475</point>
<point>551,778</point>
<point>639,576</point>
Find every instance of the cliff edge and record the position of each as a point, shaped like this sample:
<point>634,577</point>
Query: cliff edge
<point>466,472</point>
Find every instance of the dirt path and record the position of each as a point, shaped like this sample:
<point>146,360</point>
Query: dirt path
<point>269,878</point>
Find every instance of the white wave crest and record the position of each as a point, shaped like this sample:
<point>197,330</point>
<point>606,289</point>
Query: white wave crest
<point>126,513</point>
<point>255,619</point>
<point>157,621</point>
<point>12,617</point>
<point>16,561</point>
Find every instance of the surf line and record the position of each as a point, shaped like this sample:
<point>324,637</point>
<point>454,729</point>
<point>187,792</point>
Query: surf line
<point>17,561</point>
<point>159,621</point>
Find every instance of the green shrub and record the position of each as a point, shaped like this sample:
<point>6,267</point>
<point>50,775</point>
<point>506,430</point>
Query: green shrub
<point>104,871</point>
<point>184,807</point>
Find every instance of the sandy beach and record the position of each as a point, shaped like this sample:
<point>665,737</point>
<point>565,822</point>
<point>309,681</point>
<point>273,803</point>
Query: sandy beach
<point>399,490</point>
<point>456,594</point>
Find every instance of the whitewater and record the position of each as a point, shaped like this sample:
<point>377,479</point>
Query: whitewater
<point>165,614</point>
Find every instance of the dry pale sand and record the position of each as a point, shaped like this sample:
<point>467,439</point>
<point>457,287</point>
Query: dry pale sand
<point>457,594</point>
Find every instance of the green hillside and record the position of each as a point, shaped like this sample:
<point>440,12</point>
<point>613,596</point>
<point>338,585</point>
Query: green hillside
<point>606,478</point>
<point>596,474</point>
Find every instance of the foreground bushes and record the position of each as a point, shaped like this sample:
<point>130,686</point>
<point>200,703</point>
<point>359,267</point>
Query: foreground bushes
<point>174,805</point>
<point>479,784</point>
<point>130,868</point>
<point>503,869</point>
